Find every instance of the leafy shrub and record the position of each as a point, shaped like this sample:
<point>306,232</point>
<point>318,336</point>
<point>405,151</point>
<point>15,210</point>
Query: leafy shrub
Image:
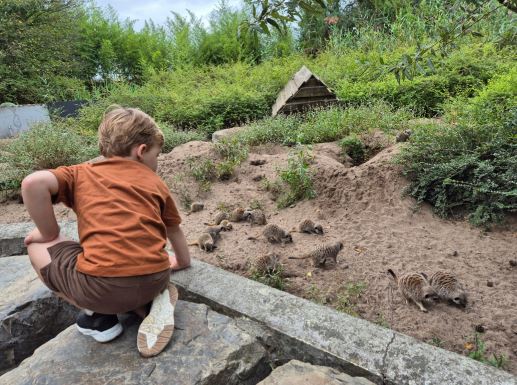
<point>202,170</point>
<point>44,146</point>
<point>354,148</point>
<point>174,137</point>
<point>273,278</point>
<point>326,125</point>
<point>465,169</point>
<point>298,178</point>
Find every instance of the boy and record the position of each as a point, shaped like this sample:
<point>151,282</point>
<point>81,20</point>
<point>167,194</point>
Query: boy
<point>124,215</point>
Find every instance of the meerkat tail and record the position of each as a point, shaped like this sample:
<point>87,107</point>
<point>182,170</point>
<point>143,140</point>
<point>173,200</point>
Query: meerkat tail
<point>196,243</point>
<point>393,274</point>
<point>209,224</point>
<point>424,275</point>
<point>305,257</point>
<point>252,238</point>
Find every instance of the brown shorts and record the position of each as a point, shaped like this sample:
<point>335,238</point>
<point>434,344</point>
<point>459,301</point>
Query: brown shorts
<point>106,295</point>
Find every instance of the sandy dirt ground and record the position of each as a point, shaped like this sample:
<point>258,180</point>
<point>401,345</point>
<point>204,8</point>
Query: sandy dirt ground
<point>363,207</point>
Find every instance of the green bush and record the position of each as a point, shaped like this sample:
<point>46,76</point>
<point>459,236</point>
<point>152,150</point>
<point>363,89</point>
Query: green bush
<point>464,169</point>
<point>174,137</point>
<point>354,148</point>
<point>44,146</point>
<point>297,177</point>
<point>326,124</point>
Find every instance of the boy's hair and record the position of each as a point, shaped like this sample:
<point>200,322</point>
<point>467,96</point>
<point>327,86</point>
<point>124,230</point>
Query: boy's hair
<point>122,128</point>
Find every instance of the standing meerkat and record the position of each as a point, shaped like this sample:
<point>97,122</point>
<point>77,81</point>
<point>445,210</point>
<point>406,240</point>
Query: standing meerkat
<point>205,242</point>
<point>415,287</point>
<point>266,263</point>
<point>214,232</point>
<point>255,217</point>
<point>275,234</point>
<point>309,227</point>
<point>324,253</point>
<point>447,286</point>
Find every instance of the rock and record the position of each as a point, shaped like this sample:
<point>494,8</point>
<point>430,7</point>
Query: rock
<point>480,328</point>
<point>490,284</point>
<point>297,372</point>
<point>30,314</point>
<point>207,348</point>
<point>258,178</point>
<point>513,262</point>
<point>226,133</point>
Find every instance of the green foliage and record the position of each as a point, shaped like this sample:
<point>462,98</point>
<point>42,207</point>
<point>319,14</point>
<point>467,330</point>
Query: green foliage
<point>469,167</point>
<point>273,278</point>
<point>297,177</point>
<point>45,146</point>
<point>202,170</point>
<point>354,148</point>
<point>348,296</point>
<point>326,125</point>
<point>174,137</point>
<point>179,186</point>
<point>479,354</point>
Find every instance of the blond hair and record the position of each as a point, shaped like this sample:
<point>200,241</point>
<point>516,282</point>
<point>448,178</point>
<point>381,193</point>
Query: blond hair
<point>123,128</point>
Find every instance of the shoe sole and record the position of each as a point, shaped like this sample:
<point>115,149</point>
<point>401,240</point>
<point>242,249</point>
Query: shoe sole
<point>156,329</point>
<point>104,336</point>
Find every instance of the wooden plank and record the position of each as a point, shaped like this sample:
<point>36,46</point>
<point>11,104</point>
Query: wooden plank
<point>306,92</point>
<point>297,107</point>
<point>302,76</point>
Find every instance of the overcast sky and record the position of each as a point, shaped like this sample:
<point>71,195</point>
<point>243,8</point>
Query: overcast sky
<point>159,10</point>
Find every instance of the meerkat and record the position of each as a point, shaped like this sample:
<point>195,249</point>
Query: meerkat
<point>416,287</point>
<point>237,215</point>
<point>309,227</point>
<point>195,207</point>
<point>275,234</point>
<point>205,242</point>
<point>447,286</point>
<point>324,253</point>
<point>219,217</point>
<point>214,232</point>
<point>255,217</point>
<point>266,263</point>
<point>226,225</point>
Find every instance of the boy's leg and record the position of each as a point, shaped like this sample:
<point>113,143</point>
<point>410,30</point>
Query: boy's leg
<point>40,257</point>
<point>101,327</point>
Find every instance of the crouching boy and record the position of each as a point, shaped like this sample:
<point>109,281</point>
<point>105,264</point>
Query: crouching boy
<point>124,215</point>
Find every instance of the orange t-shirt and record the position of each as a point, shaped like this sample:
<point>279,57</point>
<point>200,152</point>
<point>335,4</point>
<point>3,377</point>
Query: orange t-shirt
<point>123,209</point>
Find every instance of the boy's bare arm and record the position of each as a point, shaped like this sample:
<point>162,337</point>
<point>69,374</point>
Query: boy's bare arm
<point>37,191</point>
<point>179,245</point>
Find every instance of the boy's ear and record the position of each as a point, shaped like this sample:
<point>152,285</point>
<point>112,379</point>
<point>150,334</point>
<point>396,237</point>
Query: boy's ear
<point>140,150</point>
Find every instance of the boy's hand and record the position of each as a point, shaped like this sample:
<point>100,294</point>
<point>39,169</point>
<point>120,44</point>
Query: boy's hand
<point>36,237</point>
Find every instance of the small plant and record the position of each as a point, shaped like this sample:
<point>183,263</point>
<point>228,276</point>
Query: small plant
<point>381,321</point>
<point>232,149</point>
<point>436,341</point>
<point>477,352</point>
<point>224,170</point>
<point>314,293</point>
<point>298,178</point>
<point>348,296</point>
<point>202,170</point>
<point>273,278</point>
<point>354,148</point>
<point>256,205</point>
<point>275,188</point>
<point>223,206</point>
<point>178,185</point>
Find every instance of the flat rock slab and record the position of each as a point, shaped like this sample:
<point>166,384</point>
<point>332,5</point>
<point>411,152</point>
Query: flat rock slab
<point>13,234</point>
<point>30,314</point>
<point>226,133</point>
<point>207,348</point>
<point>297,373</point>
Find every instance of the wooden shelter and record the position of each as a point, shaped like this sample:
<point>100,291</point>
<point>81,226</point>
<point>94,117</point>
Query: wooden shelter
<point>303,91</point>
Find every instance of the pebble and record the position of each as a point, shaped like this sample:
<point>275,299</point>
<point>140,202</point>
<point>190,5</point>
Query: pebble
<point>513,263</point>
<point>480,328</point>
<point>490,284</point>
